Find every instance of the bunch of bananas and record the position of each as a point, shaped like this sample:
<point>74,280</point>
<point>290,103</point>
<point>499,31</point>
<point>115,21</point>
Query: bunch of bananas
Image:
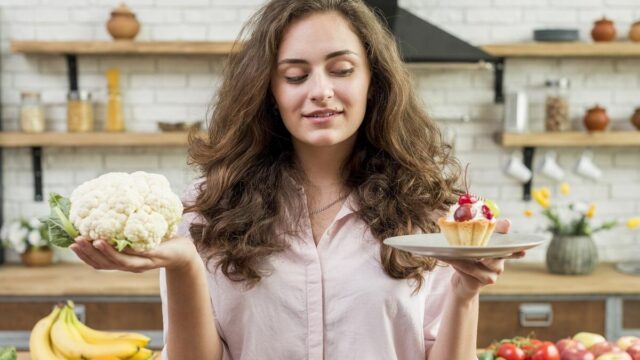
<point>61,336</point>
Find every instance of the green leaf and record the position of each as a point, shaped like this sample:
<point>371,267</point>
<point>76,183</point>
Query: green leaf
<point>121,244</point>
<point>61,231</point>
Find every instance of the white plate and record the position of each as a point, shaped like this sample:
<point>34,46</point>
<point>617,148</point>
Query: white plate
<point>436,245</point>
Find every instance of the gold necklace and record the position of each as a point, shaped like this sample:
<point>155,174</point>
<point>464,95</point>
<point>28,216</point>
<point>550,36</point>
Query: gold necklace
<point>328,206</point>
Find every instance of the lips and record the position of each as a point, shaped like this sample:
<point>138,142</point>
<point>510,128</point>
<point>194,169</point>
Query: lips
<point>322,113</point>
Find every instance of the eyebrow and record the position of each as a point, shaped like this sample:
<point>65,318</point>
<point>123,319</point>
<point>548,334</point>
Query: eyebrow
<point>329,56</point>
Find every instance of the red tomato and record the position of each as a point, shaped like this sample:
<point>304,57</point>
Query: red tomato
<point>510,352</point>
<point>546,351</point>
<point>530,344</point>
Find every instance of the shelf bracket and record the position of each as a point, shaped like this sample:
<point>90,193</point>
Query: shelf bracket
<point>498,80</point>
<point>72,67</point>
<point>527,157</point>
<point>36,161</point>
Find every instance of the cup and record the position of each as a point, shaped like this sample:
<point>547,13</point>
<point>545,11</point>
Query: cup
<point>585,167</point>
<point>517,169</point>
<point>550,168</point>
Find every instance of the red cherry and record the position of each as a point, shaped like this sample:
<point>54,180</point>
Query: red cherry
<point>487,212</point>
<point>464,213</point>
<point>467,199</point>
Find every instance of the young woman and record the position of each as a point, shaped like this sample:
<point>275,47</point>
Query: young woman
<point>317,151</point>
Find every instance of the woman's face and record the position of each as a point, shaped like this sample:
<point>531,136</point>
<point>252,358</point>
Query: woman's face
<point>321,80</point>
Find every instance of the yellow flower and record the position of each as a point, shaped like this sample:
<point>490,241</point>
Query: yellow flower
<point>592,211</point>
<point>539,196</point>
<point>565,189</point>
<point>528,213</point>
<point>633,223</point>
<point>546,192</point>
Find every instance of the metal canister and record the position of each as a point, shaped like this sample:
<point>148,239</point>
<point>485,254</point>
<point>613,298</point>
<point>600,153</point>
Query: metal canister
<point>516,112</point>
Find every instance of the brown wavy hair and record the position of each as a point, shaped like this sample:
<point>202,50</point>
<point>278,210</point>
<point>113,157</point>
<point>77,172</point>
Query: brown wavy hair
<point>402,173</point>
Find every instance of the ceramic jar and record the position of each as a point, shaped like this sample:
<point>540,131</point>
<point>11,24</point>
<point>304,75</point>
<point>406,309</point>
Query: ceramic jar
<point>39,257</point>
<point>123,24</point>
<point>603,30</point>
<point>596,119</point>
<point>571,255</point>
<point>635,119</point>
<point>634,32</point>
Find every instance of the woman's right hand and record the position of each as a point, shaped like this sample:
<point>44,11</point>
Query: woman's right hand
<point>176,253</point>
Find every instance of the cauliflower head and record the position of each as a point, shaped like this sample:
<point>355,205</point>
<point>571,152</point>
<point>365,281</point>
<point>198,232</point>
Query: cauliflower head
<point>137,210</point>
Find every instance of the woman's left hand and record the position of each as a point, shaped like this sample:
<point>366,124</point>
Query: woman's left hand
<point>472,275</point>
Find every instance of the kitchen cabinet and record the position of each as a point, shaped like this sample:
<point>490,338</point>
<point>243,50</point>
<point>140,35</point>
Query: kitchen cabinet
<point>105,300</point>
<point>527,299</point>
<point>555,306</point>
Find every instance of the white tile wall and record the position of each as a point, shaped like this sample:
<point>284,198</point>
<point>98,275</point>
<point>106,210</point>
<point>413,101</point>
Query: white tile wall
<point>173,88</point>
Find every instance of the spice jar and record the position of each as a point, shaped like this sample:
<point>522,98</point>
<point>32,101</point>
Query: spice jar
<point>635,118</point>
<point>603,30</point>
<point>596,119</point>
<point>31,113</point>
<point>634,32</point>
<point>123,24</point>
<point>557,105</point>
<point>79,111</point>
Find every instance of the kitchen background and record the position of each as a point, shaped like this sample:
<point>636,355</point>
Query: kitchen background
<point>179,88</point>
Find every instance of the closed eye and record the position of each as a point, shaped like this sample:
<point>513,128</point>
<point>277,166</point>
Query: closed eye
<point>344,72</point>
<point>295,79</point>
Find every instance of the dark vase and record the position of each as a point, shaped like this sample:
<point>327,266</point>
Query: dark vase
<point>572,255</point>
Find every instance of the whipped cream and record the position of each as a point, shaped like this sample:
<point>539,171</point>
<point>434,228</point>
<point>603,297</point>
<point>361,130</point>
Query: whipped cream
<point>477,206</point>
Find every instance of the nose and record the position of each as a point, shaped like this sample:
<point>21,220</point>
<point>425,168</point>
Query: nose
<point>321,87</point>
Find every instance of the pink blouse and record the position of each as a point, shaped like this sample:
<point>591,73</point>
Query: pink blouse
<point>333,301</point>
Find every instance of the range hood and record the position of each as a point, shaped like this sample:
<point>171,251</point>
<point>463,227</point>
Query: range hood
<point>421,41</point>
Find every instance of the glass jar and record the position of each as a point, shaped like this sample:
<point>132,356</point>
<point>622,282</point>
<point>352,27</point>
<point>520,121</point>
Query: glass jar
<point>31,112</point>
<point>557,105</point>
<point>79,111</point>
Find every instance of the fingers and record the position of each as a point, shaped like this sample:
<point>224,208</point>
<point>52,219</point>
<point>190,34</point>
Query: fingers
<point>485,274</point>
<point>86,251</point>
<point>100,255</point>
<point>503,225</point>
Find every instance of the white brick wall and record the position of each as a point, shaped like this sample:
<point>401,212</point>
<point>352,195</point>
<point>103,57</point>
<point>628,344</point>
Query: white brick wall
<point>174,88</point>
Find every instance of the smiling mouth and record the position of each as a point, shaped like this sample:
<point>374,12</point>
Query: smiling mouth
<point>324,114</point>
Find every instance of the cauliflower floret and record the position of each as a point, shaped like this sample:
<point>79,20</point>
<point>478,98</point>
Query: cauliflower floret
<point>137,209</point>
<point>145,230</point>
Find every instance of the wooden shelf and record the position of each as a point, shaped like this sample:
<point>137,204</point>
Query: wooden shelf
<point>94,139</point>
<point>123,47</point>
<point>564,49</point>
<point>570,139</point>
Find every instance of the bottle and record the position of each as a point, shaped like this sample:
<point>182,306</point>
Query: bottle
<point>557,105</point>
<point>31,112</point>
<point>79,111</point>
<point>114,119</point>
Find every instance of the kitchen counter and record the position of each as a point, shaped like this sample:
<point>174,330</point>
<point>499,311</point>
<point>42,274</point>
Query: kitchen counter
<point>82,280</point>
<point>75,279</point>
<point>533,279</point>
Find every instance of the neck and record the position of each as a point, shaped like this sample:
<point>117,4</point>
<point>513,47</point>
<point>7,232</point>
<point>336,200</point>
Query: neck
<point>322,165</point>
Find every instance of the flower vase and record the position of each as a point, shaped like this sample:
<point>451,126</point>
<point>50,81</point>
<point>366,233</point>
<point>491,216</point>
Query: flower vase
<point>572,255</point>
<point>37,257</point>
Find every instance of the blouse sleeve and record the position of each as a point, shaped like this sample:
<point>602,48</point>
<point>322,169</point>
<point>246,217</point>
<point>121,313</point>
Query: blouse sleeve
<point>438,287</point>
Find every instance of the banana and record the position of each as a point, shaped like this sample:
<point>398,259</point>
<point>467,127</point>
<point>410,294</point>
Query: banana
<point>39,342</point>
<point>93,336</point>
<point>67,339</point>
<point>142,354</point>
